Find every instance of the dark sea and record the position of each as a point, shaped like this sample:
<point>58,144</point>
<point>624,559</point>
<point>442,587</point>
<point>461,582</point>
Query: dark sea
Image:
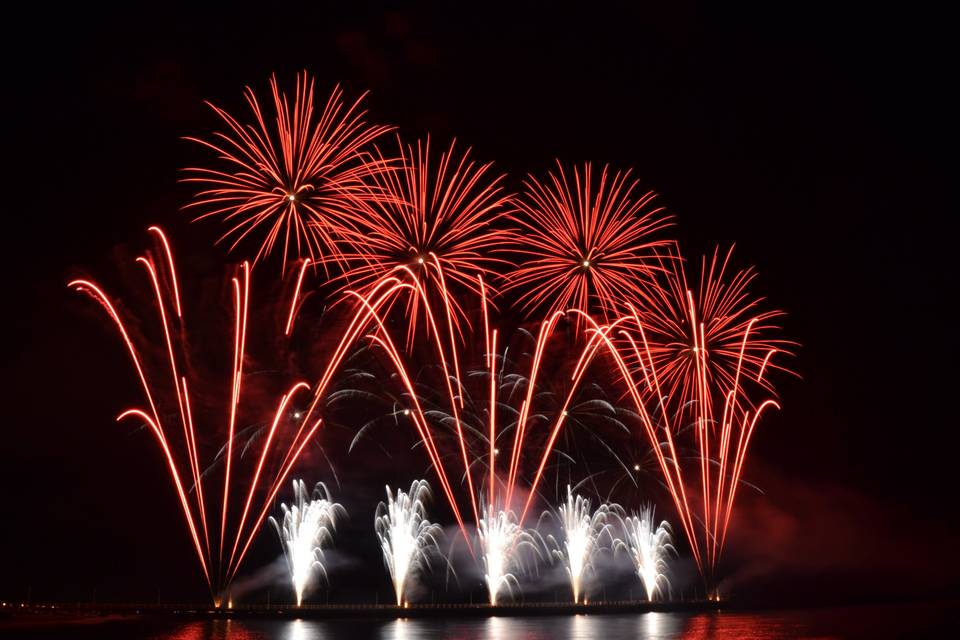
<point>876,622</point>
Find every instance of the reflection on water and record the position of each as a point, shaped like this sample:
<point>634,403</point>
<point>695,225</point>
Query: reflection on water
<point>208,630</point>
<point>646,626</point>
<point>659,625</point>
<point>652,626</point>
<point>300,630</point>
<point>875,623</point>
<point>215,630</point>
<point>823,624</point>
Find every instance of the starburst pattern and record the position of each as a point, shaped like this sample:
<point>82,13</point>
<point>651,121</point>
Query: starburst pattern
<point>294,180</point>
<point>433,216</point>
<point>716,324</point>
<point>590,242</point>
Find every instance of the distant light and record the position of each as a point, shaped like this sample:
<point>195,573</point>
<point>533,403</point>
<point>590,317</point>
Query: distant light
<point>565,414</point>
<point>636,467</point>
<point>296,415</point>
<point>291,197</point>
<point>420,260</point>
<point>586,264</point>
<point>496,452</point>
<point>406,412</point>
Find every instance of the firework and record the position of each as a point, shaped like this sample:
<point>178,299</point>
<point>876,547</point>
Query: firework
<point>588,244</point>
<point>650,547</point>
<point>419,233</point>
<point>487,427</point>
<point>502,543</point>
<point>698,395</point>
<point>308,526</point>
<point>294,180</point>
<point>475,421</point>
<point>427,212</point>
<point>581,533</point>
<point>704,327</point>
<point>406,536</point>
<point>223,531</point>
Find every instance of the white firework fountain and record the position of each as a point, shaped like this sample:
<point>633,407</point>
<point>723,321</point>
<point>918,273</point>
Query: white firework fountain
<point>308,526</point>
<point>407,538</point>
<point>502,542</point>
<point>582,531</point>
<point>650,547</point>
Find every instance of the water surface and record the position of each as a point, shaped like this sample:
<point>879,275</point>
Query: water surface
<point>875,622</point>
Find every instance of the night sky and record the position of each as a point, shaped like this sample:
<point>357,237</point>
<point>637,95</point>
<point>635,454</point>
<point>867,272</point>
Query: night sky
<point>817,138</point>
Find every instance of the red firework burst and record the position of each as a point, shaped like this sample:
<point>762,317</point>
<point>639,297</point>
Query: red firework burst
<point>430,217</point>
<point>588,244</point>
<point>696,364</point>
<point>717,325</point>
<point>295,180</point>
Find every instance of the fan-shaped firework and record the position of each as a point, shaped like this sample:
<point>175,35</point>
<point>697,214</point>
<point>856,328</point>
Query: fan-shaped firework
<point>694,394</point>
<point>308,526</point>
<point>502,543</point>
<point>294,179</point>
<point>432,217</point>
<point>650,548</point>
<point>407,538</point>
<point>275,445</point>
<point>581,533</point>
<point>588,244</point>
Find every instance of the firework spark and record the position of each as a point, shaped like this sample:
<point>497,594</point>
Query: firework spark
<point>493,429</point>
<point>295,180</point>
<point>406,537</point>
<point>476,420</point>
<point>588,244</point>
<point>308,525</point>
<point>276,445</point>
<point>650,547</point>
<point>694,388</point>
<point>421,233</point>
<point>502,543</point>
<point>428,211</point>
<point>582,530</point>
<point>690,327</point>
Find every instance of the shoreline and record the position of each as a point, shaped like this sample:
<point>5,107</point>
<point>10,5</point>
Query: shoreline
<point>63,614</point>
<point>14,616</point>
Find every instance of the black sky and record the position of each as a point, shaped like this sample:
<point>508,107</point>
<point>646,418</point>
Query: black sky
<point>817,138</point>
